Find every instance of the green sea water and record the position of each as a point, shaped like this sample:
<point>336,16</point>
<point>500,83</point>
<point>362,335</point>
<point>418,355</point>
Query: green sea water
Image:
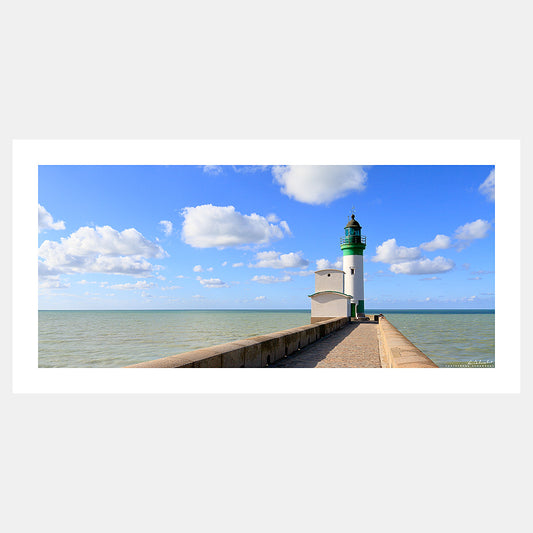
<point>107,339</point>
<point>119,338</point>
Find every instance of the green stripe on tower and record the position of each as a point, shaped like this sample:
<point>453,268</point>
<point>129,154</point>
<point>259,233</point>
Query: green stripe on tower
<point>352,249</point>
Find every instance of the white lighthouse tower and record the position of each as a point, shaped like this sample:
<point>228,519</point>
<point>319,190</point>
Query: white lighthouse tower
<point>352,246</point>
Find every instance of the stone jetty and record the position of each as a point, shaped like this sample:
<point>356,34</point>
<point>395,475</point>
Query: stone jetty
<point>368,342</point>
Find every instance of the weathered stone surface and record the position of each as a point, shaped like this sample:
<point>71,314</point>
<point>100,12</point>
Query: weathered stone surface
<point>252,356</point>
<point>233,358</point>
<point>209,362</point>
<point>272,349</point>
<point>353,346</point>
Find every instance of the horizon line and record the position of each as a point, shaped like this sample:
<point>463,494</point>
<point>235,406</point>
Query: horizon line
<point>284,309</point>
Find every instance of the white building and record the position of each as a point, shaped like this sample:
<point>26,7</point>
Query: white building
<point>329,299</point>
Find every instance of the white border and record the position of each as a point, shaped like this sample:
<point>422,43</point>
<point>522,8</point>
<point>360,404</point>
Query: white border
<point>28,378</point>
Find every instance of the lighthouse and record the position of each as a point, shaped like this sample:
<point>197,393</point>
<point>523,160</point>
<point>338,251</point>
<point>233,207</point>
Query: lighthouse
<point>341,292</point>
<point>352,246</point>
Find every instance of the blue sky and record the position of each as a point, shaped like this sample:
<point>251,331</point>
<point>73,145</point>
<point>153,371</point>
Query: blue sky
<point>192,237</point>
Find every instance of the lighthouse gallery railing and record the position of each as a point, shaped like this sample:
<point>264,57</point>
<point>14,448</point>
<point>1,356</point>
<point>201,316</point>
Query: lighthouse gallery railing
<point>353,239</point>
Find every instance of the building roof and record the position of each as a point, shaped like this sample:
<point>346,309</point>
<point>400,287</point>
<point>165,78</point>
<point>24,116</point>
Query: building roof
<point>329,270</point>
<point>330,292</point>
<point>353,223</point>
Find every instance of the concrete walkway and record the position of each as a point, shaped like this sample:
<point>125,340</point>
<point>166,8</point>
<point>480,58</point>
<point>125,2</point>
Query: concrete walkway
<point>354,346</point>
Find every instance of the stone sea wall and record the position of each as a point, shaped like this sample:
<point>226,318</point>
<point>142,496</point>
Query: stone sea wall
<point>397,351</point>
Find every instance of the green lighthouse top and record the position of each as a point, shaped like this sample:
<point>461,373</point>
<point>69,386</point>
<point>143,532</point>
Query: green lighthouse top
<point>353,243</point>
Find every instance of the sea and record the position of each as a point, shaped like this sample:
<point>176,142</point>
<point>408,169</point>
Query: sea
<point>449,337</point>
<point>107,339</point>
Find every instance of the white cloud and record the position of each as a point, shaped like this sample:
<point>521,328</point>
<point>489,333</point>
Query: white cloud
<point>301,273</point>
<point>224,263</point>
<point>260,298</point>
<point>249,169</point>
<point>319,184</point>
<point>101,249</point>
<point>212,283</point>
<point>278,260</point>
<point>440,242</point>
<point>45,271</point>
<point>200,268</point>
<point>487,188</point>
<point>473,230</point>
<point>139,285</point>
<point>235,265</point>
<point>103,240</point>
<point>322,264</point>
<point>211,226</point>
<point>390,252</point>
<point>167,227</point>
<point>46,221</point>
<point>423,266</point>
<point>171,288</point>
<point>285,227</point>
<point>49,278</point>
<point>53,284</point>
<point>432,278</point>
<point>271,279</point>
<point>213,169</point>
<point>133,265</point>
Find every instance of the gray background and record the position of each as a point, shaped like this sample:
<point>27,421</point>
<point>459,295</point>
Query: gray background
<point>326,70</point>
